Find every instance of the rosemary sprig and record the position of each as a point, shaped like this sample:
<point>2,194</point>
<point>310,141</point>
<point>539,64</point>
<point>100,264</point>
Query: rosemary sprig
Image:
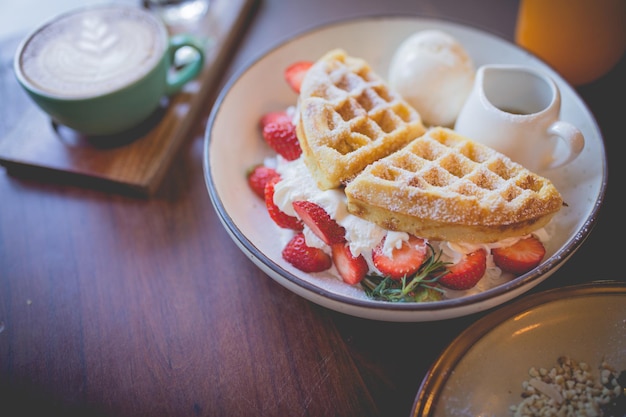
<point>419,288</point>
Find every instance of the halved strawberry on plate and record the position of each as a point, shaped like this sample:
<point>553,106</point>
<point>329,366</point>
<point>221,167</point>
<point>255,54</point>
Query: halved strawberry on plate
<point>404,261</point>
<point>352,269</point>
<point>258,176</point>
<point>281,137</point>
<point>320,222</point>
<point>294,74</point>
<point>521,257</point>
<point>466,273</point>
<point>304,257</point>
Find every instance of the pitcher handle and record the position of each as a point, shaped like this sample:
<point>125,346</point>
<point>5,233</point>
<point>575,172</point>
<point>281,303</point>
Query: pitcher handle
<point>573,139</point>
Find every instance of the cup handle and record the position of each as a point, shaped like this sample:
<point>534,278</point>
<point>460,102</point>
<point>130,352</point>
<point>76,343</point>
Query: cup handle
<point>571,137</point>
<point>178,78</point>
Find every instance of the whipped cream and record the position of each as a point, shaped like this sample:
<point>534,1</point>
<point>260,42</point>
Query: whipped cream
<point>297,184</point>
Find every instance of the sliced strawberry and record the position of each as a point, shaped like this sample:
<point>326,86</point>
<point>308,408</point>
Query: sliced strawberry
<point>404,261</point>
<point>352,269</point>
<point>274,116</point>
<point>521,257</point>
<point>281,218</point>
<point>281,136</point>
<point>320,222</point>
<point>305,258</point>
<point>294,74</point>
<point>467,272</point>
<point>258,176</point>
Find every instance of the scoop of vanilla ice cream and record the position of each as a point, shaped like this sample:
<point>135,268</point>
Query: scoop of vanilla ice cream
<point>434,73</point>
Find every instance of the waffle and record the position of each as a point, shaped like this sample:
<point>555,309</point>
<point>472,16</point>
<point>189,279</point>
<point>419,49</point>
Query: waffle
<point>349,118</point>
<point>443,186</point>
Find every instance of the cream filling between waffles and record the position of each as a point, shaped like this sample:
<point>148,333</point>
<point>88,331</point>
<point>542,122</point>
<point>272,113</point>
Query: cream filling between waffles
<point>362,236</point>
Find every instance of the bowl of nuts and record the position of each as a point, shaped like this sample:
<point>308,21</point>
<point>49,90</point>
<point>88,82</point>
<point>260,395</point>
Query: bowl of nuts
<point>560,352</point>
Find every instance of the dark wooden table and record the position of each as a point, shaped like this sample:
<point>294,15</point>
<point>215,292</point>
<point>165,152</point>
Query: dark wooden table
<point>112,305</point>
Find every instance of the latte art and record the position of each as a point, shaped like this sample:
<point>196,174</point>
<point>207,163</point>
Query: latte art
<point>93,52</point>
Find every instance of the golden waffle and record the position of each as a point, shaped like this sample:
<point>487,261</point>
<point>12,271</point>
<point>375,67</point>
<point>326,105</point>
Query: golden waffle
<point>443,186</point>
<point>349,118</point>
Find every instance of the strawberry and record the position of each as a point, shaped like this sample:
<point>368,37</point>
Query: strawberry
<point>521,257</point>
<point>320,223</point>
<point>305,258</point>
<point>352,269</point>
<point>281,136</point>
<point>281,218</point>
<point>404,261</point>
<point>258,176</point>
<point>467,272</point>
<point>294,74</point>
<point>274,116</point>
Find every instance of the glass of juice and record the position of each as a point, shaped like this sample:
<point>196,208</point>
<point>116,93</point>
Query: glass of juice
<point>580,39</point>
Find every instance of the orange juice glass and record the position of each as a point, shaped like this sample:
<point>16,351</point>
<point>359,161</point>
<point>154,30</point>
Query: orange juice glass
<point>580,39</point>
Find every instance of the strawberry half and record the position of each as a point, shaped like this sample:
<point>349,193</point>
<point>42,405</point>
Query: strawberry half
<point>352,269</point>
<point>305,258</point>
<point>281,218</point>
<point>281,137</point>
<point>404,261</point>
<point>320,222</point>
<point>521,257</point>
<point>258,176</point>
<point>294,74</point>
<point>274,116</point>
<point>467,272</point>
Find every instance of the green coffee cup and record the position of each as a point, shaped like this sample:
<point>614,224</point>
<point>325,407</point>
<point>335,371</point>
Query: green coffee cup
<point>103,70</point>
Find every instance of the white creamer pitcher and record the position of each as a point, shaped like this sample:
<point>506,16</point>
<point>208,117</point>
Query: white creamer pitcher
<point>516,110</point>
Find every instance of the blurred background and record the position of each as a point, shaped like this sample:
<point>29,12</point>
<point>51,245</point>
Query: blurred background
<point>32,13</point>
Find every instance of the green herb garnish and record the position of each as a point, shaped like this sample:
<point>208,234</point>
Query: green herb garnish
<point>418,288</point>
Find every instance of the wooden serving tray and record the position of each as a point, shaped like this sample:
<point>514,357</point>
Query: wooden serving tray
<point>134,162</point>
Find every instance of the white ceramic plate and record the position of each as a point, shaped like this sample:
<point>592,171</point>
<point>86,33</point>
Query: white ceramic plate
<point>233,144</point>
<point>482,370</point>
